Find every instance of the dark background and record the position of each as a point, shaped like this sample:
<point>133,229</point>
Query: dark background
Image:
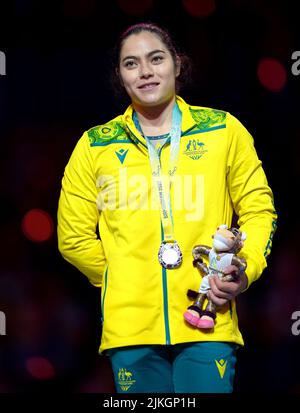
<point>56,86</point>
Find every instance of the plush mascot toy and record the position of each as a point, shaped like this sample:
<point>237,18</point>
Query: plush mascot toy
<point>227,242</point>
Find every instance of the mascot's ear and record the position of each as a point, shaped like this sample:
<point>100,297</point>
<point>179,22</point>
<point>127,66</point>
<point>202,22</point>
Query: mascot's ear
<point>223,226</point>
<point>243,236</point>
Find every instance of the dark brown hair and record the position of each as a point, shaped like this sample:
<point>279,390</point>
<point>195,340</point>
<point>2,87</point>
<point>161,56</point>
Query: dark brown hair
<point>185,63</point>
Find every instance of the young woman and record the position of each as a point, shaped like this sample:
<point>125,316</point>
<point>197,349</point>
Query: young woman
<point>155,182</point>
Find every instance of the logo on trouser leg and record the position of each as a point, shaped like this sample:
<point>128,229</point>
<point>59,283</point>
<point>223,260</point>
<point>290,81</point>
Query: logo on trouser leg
<point>125,379</point>
<point>221,364</point>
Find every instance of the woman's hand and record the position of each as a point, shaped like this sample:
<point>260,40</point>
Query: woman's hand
<point>223,291</point>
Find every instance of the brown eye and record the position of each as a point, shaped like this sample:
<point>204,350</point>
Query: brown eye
<point>130,64</point>
<point>157,59</point>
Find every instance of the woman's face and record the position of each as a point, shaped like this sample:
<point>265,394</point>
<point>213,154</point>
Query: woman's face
<point>147,70</point>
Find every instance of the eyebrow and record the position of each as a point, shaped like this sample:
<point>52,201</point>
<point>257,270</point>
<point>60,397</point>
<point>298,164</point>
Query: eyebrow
<point>148,55</point>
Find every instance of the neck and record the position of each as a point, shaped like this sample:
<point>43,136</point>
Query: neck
<point>155,120</point>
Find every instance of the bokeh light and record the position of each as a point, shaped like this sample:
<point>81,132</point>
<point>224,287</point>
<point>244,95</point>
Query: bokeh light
<point>199,8</point>
<point>135,7</point>
<point>40,368</point>
<point>37,225</point>
<point>271,74</point>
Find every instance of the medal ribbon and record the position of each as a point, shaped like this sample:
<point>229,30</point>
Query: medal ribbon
<point>163,188</point>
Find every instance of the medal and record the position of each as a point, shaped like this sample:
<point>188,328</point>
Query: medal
<point>169,255</point>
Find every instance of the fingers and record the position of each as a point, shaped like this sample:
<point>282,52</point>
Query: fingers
<point>219,302</point>
<point>221,291</point>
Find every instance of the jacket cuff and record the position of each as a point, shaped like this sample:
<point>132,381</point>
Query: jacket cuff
<point>253,271</point>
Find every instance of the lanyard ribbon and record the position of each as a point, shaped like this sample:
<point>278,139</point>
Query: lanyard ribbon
<point>163,188</point>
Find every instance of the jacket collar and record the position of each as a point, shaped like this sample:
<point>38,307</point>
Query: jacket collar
<point>187,123</point>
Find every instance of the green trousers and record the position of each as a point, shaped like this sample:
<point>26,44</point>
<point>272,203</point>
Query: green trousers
<point>205,367</point>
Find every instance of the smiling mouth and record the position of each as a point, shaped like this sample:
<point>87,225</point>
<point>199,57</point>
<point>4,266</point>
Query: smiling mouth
<point>148,86</point>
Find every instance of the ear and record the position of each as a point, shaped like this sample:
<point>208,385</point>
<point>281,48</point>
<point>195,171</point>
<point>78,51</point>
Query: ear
<point>177,66</point>
<point>243,236</point>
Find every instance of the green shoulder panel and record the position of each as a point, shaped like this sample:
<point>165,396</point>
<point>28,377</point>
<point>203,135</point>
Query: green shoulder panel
<point>111,132</point>
<point>207,118</point>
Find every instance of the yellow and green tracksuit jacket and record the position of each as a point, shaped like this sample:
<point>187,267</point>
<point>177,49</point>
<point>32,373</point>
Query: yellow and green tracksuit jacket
<point>107,184</point>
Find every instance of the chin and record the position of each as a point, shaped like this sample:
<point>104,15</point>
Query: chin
<point>151,101</point>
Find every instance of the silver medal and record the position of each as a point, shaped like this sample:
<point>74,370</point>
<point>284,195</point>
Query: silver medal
<point>169,255</point>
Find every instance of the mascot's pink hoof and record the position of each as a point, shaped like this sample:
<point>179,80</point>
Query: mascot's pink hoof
<point>191,319</point>
<point>203,323</point>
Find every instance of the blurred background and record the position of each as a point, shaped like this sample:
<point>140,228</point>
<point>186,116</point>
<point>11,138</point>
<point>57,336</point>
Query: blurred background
<point>56,86</point>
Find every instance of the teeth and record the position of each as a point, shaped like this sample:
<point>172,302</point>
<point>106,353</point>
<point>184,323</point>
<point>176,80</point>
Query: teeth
<point>149,85</point>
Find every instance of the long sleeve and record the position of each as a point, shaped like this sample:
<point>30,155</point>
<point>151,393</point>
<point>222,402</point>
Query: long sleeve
<point>78,215</point>
<point>252,199</point>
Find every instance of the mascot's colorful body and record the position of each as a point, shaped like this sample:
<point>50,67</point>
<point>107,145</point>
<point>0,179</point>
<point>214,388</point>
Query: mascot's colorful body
<point>227,243</point>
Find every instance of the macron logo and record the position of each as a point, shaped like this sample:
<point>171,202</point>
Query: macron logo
<point>221,364</point>
<point>121,154</point>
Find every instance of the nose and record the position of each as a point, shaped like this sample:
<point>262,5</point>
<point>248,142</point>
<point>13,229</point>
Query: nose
<point>145,70</point>
<point>223,232</point>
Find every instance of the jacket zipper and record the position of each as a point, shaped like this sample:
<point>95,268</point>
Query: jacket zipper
<point>165,295</point>
<point>164,278</point>
<point>164,271</point>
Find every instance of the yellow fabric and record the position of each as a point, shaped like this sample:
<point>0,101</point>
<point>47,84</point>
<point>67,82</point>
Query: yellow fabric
<point>218,166</point>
